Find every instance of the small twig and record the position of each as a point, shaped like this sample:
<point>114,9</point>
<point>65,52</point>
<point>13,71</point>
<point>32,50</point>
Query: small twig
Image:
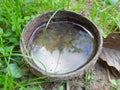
<point>67,86</point>
<point>108,74</point>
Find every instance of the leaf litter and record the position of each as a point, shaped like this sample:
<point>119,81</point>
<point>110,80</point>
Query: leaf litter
<point>111,50</point>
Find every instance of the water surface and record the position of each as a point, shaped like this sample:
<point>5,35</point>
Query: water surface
<point>62,48</point>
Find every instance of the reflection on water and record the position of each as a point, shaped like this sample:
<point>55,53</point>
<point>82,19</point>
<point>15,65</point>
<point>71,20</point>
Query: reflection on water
<point>66,48</point>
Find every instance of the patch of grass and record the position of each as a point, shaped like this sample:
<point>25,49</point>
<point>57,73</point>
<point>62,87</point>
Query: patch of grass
<point>88,79</point>
<point>14,14</point>
<point>53,5</point>
<point>105,16</point>
<point>115,84</point>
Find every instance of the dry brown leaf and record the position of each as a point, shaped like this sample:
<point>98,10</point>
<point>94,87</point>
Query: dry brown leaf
<point>111,50</point>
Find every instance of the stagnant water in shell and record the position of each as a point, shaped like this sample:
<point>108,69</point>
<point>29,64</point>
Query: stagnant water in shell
<point>62,48</point>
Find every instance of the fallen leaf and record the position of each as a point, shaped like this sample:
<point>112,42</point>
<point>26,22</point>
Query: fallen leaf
<point>111,50</point>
